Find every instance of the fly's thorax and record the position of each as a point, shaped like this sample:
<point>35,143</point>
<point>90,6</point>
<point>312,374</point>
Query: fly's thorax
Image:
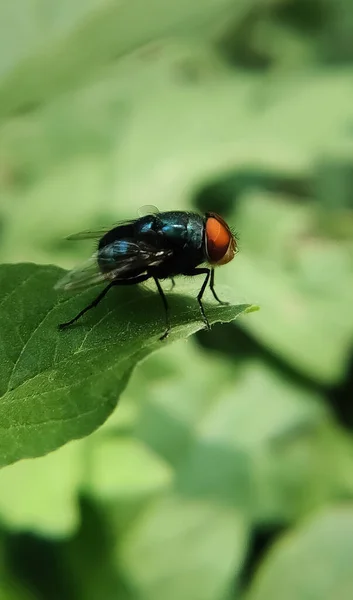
<point>196,230</point>
<point>183,230</point>
<point>145,225</point>
<point>172,229</point>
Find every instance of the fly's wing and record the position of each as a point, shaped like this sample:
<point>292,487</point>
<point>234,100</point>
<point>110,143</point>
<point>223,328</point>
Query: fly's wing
<point>147,209</point>
<point>91,234</point>
<point>83,276</point>
<point>119,260</point>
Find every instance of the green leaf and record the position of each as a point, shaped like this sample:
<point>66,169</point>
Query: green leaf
<point>316,457</point>
<point>185,548</point>
<point>60,152</point>
<point>56,386</point>
<point>314,561</point>
<point>215,422</point>
<point>245,419</point>
<point>302,280</point>
<point>176,398</point>
<point>67,42</point>
<point>124,468</point>
<point>41,495</point>
<point>10,589</point>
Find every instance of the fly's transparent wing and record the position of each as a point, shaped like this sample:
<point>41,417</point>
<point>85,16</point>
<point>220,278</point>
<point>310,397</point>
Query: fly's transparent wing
<point>89,234</point>
<point>120,260</point>
<point>83,276</point>
<point>147,209</point>
<point>96,234</point>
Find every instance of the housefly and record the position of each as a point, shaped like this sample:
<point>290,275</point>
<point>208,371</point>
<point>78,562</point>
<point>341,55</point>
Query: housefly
<point>158,245</point>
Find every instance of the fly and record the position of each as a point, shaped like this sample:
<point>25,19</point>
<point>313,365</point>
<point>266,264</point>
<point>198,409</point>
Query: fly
<point>158,246</point>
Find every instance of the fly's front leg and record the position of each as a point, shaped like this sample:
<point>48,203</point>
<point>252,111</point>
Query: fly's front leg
<point>207,272</point>
<point>166,309</point>
<point>214,291</point>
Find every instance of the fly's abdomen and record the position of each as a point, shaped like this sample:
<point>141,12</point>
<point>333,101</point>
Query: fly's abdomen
<point>129,258</point>
<point>112,255</point>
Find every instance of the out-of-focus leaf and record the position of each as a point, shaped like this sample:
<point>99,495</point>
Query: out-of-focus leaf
<point>244,420</point>
<point>35,229</point>
<point>314,561</point>
<point>89,556</point>
<point>41,495</point>
<point>217,427</point>
<point>244,434</point>
<point>64,43</point>
<point>242,122</point>
<point>112,141</point>
<point>302,280</point>
<point>301,471</point>
<point>10,589</point>
<point>334,182</point>
<point>55,385</point>
<point>176,388</point>
<point>212,427</point>
<point>336,35</point>
<point>185,548</point>
<point>125,469</point>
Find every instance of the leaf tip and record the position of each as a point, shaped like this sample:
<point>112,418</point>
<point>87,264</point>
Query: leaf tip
<point>252,308</point>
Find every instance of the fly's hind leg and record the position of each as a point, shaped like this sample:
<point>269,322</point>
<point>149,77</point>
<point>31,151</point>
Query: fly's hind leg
<point>93,304</point>
<point>99,298</point>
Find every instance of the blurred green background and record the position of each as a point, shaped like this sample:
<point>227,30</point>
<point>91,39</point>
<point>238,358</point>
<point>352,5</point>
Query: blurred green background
<point>226,472</point>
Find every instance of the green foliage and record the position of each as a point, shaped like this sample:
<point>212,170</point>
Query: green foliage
<point>53,511</point>
<point>61,385</point>
<point>226,471</point>
<point>303,281</point>
<point>314,561</point>
<point>68,41</point>
<point>195,537</point>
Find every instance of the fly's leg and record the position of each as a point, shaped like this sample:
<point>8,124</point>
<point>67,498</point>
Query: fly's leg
<point>214,291</point>
<point>199,298</point>
<point>207,272</point>
<point>173,283</point>
<point>100,297</point>
<point>166,309</point>
<point>93,304</point>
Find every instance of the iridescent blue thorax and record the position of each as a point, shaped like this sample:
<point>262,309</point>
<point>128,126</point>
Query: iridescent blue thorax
<point>177,229</point>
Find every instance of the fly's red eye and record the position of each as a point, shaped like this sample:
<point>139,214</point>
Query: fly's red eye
<point>220,243</point>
